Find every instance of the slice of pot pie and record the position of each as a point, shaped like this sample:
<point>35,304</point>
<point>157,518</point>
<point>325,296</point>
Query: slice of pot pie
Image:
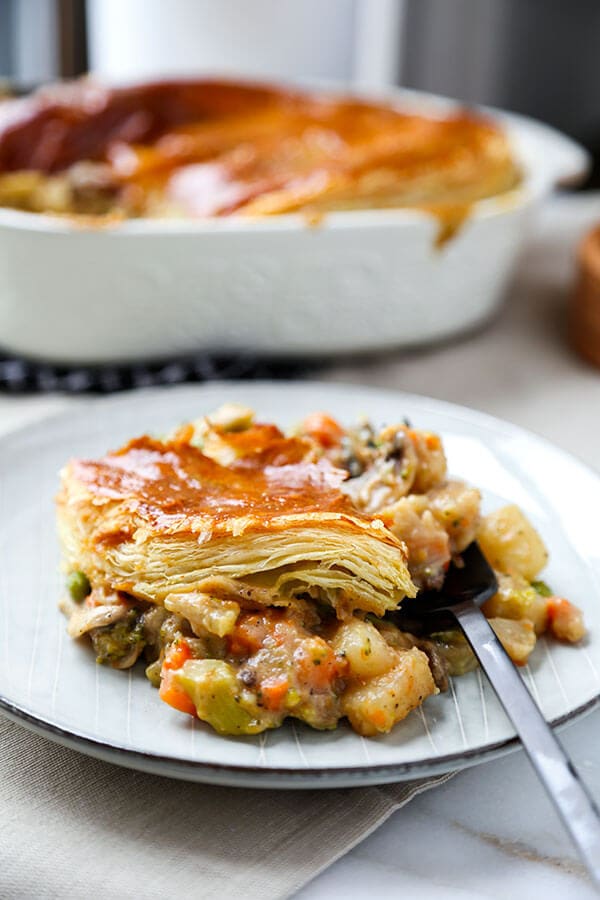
<point>255,572</point>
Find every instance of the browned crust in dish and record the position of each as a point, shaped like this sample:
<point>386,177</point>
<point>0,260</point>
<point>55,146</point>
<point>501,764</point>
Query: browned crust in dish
<point>209,148</point>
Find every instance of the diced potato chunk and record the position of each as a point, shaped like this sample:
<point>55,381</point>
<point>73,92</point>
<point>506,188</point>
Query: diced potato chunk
<point>431,460</point>
<point>375,707</point>
<point>516,636</point>
<point>511,543</point>
<point>426,541</point>
<point>455,506</point>
<point>566,620</point>
<point>232,417</point>
<point>516,599</point>
<point>205,613</point>
<point>365,650</point>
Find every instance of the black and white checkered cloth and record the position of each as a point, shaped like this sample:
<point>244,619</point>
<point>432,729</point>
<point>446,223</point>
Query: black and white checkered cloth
<point>24,376</point>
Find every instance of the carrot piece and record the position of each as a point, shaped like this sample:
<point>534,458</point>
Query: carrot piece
<point>178,653</point>
<point>174,695</point>
<point>565,619</point>
<point>380,720</point>
<point>249,633</point>
<point>184,433</point>
<point>431,441</point>
<point>274,690</point>
<point>323,429</point>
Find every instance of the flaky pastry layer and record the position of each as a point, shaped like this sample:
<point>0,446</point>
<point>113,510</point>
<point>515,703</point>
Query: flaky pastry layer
<point>160,517</point>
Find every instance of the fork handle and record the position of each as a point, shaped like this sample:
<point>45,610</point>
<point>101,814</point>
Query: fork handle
<point>576,808</point>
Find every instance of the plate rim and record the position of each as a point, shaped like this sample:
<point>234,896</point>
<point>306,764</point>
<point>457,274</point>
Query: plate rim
<point>270,777</point>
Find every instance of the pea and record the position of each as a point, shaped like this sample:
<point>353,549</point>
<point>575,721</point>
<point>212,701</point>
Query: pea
<point>79,586</point>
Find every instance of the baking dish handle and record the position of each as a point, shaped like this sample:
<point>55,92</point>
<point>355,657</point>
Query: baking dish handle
<point>553,158</point>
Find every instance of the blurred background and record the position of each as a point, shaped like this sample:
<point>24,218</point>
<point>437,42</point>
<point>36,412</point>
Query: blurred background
<point>538,57</point>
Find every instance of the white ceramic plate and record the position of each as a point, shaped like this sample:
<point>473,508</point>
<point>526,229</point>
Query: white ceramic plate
<point>52,684</point>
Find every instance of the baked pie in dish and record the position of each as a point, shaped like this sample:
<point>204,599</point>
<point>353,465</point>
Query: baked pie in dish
<point>208,148</point>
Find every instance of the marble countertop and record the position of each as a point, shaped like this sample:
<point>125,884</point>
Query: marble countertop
<point>490,831</point>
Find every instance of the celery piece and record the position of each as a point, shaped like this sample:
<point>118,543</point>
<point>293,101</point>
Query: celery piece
<point>542,588</point>
<point>216,693</point>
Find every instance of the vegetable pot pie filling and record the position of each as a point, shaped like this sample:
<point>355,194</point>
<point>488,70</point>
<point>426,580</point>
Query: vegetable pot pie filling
<point>207,148</point>
<point>257,574</point>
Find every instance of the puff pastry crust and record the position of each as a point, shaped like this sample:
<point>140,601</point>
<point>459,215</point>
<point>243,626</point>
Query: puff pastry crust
<point>210,148</point>
<point>161,517</point>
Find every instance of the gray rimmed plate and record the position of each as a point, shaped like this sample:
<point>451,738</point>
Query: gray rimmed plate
<point>52,685</point>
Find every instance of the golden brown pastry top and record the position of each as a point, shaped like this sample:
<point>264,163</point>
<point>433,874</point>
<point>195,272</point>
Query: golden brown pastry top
<point>172,487</point>
<point>206,148</point>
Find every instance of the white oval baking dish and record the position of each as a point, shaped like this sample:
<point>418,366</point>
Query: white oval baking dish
<point>359,281</point>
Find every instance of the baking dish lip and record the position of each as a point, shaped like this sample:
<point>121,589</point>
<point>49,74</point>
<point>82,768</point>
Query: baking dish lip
<point>567,162</point>
<point>285,222</point>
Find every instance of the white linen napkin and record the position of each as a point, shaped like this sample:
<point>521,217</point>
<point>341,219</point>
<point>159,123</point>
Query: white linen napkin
<point>75,827</point>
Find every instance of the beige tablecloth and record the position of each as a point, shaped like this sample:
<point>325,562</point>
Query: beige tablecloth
<point>74,827</point>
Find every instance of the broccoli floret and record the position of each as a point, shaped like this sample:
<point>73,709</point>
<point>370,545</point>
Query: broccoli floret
<point>114,643</point>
